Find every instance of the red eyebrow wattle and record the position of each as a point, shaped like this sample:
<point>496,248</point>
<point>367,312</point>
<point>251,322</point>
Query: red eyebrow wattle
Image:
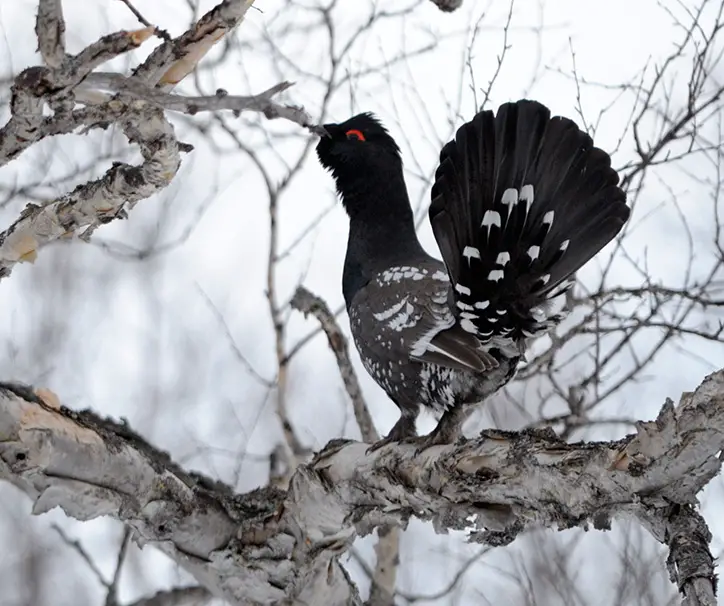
<point>357,133</point>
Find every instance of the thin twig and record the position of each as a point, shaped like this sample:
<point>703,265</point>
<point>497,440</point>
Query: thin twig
<point>161,33</point>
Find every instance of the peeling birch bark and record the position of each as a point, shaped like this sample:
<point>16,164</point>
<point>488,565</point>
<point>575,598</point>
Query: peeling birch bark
<point>68,86</point>
<point>270,545</point>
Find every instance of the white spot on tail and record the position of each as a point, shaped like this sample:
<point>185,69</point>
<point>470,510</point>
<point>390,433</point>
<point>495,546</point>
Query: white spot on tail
<point>501,312</point>
<point>481,304</point>
<point>464,306</point>
<point>491,217</point>
<point>545,278</point>
<point>564,245</point>
<point>548,218</point>
<point>496,274</point>
<point>463,290</point>
<point>466,315</point>
<point>526,193</point>
<point>388,313</point>
<point>503,258</point>
<point>510,197</point>
<point>533,252</point>
<point>469,252</point>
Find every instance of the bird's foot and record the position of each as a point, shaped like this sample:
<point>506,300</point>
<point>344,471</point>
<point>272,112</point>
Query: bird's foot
<point>444,434</point>
<point>380,443</point>
<point>404,429</point>
<point>424,442</point>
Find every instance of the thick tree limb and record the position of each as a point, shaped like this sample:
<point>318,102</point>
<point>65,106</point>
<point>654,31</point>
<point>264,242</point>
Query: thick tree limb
<point>171,62</point>
<point>36,86</point>
<point>183,596</point>
<point>268,545</point>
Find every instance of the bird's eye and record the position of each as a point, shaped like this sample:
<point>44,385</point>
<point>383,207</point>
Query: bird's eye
<point>355,135</point>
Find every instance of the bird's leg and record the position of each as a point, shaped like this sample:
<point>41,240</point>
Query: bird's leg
<point>403,429</point>
<point>448,429</point>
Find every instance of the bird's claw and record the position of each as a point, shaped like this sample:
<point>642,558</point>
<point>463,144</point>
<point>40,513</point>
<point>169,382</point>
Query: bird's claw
<point>425,442</point>
<point>383,442</point>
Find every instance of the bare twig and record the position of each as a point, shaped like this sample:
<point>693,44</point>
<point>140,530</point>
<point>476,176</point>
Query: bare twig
<point>163,34</point>
<point>192,105</point>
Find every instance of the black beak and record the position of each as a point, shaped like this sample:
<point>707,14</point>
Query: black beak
<point>319,130</point>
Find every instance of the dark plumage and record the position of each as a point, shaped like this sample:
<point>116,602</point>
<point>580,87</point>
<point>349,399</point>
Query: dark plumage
<point>520,202</point>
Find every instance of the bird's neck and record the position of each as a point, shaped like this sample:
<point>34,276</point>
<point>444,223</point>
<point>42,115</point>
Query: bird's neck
<point>381,232</point>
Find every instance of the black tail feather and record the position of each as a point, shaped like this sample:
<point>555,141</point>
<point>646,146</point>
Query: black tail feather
<point>521,201</point>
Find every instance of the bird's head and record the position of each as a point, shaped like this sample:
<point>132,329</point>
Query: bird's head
<point>358,149</point>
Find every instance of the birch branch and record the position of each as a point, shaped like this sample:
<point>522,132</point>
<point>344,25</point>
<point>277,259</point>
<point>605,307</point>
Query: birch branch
<point>50,30</point>
<point>270,545</point>
<point>262,102</point>
<point>137,106</point>
<point>36,86</point>
<point>88,206</point>
<point>183,596</point>
<point>387,548</point>
<point>173,60</point>
<point>308,303</point>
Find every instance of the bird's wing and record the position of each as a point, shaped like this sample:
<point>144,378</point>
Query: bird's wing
<point>406,311</point>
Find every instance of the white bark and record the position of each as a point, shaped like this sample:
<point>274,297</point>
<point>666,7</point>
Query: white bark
<point>77,98</point>
<point>270,545</point>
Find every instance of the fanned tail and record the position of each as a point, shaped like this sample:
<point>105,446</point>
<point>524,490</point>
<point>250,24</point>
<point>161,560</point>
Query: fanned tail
<point>521,201</point>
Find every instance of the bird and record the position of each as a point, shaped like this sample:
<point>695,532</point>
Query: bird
<point>520,201</point>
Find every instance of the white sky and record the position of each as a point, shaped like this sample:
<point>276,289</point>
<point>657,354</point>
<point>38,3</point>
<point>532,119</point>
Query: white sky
<point>126,353</point>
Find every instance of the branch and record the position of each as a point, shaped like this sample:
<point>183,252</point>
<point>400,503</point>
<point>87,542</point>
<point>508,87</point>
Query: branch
<point>387,549</point>
<point>67,80</point>
<point>36,86</point>
<point>307,303</point>
<point>270,545</point>
<point>171,62</point>
<point>182,596</point>
<point>192,105</point>
<point>100,201</point>
<point>50,30</point>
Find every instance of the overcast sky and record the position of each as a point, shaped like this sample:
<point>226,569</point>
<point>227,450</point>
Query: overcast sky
<point>140,340</point>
